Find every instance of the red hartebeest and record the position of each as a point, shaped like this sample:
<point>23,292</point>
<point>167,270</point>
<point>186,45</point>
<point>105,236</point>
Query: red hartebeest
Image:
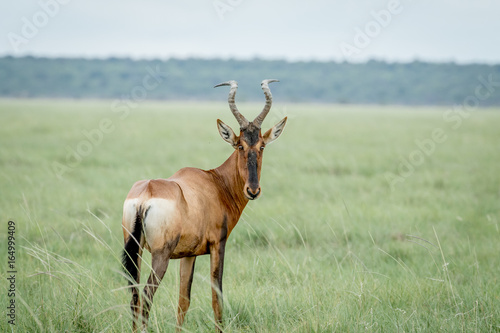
<point>193,212</point>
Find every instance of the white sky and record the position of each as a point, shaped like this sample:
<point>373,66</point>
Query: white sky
<point>430,30</point>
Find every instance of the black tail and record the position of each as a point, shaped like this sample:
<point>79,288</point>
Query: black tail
<point>131,250</point>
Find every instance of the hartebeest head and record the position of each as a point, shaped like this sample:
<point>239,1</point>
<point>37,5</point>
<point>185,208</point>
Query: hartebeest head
<point>250,143</point>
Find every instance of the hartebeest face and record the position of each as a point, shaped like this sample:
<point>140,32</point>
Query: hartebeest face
<point>250,145</point>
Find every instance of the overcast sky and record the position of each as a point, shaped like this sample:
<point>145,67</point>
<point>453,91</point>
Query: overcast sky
<point>394,30</point>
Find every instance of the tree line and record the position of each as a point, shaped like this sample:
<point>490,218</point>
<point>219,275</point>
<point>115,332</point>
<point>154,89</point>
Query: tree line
<point>372,82</point>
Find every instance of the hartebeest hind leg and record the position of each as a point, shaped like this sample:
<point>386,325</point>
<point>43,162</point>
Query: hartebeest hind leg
<point>159,263</point>
<point>135,304</point>
<point>186,277</point>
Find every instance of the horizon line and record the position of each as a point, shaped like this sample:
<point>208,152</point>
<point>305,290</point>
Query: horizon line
<point>249,59</point>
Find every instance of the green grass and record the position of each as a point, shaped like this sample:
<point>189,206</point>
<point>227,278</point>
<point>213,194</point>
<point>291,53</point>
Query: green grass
<point>329,247</point>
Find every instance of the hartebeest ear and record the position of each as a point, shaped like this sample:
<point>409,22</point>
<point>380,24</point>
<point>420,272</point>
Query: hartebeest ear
<point>273,133</point>
<point>227,133</point>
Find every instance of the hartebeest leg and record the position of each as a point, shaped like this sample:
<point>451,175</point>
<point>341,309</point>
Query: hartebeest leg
<point>186,272</point>
<point>135,304</point>
<point>216,270</point>
<point>159,264</point>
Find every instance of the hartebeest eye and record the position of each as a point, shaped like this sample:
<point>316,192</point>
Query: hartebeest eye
<point>262,148</point>
<point>240,147</point>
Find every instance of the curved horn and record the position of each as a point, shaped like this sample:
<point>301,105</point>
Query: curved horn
<point>232,105</point>
<point>269,101</point>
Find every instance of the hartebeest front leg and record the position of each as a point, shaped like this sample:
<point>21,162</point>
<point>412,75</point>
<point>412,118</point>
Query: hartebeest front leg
<point>186,273</point>
<point>216,270</point>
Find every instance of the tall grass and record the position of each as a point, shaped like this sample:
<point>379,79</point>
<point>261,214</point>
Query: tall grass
<point>330,246</point>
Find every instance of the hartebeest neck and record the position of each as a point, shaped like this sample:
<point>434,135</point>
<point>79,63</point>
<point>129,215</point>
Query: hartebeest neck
<point>231,186</point>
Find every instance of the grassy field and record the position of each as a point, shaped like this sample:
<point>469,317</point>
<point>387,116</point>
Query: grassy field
<point>378,219</point>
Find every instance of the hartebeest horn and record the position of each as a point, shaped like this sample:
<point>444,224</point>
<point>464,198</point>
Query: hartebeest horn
<point>232,105</point>
<point>269,101</point>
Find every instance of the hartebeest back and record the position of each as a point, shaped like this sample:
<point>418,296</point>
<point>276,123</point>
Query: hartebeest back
<point>193,213</point>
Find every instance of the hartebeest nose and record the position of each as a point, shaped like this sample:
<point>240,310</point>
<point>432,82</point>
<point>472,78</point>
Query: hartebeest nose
<point>252,194</point>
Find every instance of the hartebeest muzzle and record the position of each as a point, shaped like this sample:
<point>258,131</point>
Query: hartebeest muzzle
<point>252,187</point>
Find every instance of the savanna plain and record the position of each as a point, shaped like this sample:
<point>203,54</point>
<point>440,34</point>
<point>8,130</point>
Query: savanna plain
<point>372,218</point>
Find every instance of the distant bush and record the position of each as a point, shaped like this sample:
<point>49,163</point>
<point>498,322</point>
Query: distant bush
<point>373,82</point>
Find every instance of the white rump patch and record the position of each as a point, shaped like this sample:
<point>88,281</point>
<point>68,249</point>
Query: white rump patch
<point>160,214</point>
